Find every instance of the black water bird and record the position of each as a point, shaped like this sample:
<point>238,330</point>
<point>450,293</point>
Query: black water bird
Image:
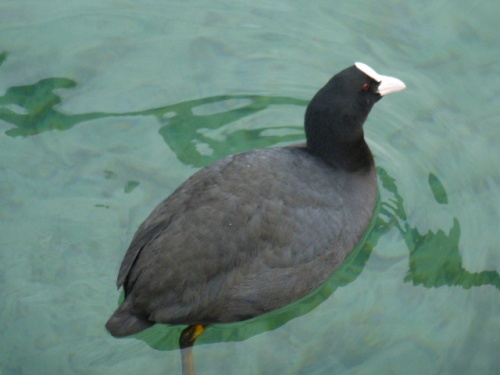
<point>258,230</point>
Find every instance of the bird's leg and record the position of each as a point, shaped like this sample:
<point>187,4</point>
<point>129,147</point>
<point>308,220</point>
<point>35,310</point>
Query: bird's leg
<point>186,342</point>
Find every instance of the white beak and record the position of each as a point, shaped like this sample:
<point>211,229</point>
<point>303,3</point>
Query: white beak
<point>388,85</point>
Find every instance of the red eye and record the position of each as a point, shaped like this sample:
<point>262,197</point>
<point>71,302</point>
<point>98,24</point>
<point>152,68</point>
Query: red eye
<point>366,86</point>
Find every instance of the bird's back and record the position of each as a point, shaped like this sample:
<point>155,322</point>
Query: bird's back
<point>249,234</point>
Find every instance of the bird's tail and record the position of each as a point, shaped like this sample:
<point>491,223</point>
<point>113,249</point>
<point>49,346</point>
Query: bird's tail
<point>124,323</point>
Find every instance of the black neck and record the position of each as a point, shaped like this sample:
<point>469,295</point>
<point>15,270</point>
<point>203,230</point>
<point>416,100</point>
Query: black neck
<point>336,138</point>
<point>349,156</point>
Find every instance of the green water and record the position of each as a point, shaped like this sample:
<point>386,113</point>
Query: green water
<point>107,106</point>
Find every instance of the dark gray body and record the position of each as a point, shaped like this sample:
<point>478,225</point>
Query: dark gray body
<point>250,233</point>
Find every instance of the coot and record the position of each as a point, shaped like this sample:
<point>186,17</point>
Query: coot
<point>258,230</point>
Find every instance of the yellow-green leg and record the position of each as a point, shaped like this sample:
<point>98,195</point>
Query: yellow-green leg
<point>186,342</point>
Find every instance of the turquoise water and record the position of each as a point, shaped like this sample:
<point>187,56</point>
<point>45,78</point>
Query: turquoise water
<point>107,106</point>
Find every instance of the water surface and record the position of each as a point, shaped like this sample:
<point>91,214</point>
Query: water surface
<point>107,106</point>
